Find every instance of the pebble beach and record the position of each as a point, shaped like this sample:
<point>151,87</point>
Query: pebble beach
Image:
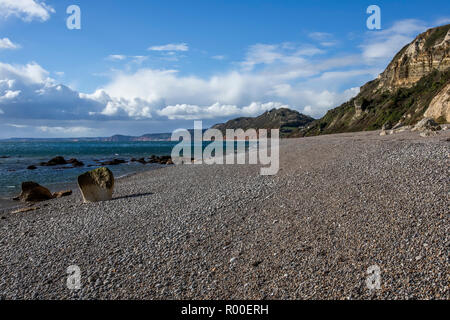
<point>339,205</point>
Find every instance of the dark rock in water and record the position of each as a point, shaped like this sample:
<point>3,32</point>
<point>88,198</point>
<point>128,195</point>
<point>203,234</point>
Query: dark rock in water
<point>4,157</point>
<point>31,167</point>
<point>61,194</point>
<point>76,163</point>
<point>96,185</point>
<point>33,192</point>
<point>61,161</point>
<point>54,162</point>
<point>142,160</point>
<point>113,162</point>
<point>161,159</point>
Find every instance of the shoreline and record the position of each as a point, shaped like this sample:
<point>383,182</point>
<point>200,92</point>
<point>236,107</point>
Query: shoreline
<point>339,205</point>
<point>6,203</point>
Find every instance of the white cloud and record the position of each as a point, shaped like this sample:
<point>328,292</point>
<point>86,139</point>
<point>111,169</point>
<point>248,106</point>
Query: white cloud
<point>166,93</point>
<point>27,10</point>
<point>286,53</point>
<point>320,36</point>
<point>76,130</point>
<point>325,39</point>
<point>116,57</point>
<point>121,57</point>
<point>216,110</point>
<point>5,43</point>
<point>30,73</point>
<point>20,126</point>
<point>219,57</point>
<point>9,94</point>
<point>442,21</point>
<point>386,43</point>
<point>170,47</point>
<point>138,59</point>
<point>27,92</point>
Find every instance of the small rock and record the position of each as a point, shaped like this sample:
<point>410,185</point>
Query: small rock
<point>31,167</point>
<point>61,194</point>
<point>427,133</point>
<point>386,126</point>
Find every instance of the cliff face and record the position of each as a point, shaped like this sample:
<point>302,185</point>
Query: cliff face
<point>429,51</point>
<point>439,108</point>
<point>415,84</point>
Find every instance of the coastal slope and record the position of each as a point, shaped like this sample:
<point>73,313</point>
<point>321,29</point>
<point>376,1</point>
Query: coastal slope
<point>415,84</point>
<point>285,119</point>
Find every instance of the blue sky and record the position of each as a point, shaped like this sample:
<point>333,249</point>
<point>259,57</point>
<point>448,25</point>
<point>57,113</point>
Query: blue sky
<point>138,67</point>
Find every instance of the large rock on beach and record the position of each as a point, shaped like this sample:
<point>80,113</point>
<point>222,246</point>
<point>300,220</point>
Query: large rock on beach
<point>96,185</point>
<point>34,192</point>
<point>426,124</point>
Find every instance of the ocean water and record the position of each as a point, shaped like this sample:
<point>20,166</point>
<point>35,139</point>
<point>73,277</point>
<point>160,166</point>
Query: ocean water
<point>13,170</point>
<point>20,155</point>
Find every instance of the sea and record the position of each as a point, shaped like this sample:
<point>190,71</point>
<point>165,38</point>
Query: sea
<point>16,156</point>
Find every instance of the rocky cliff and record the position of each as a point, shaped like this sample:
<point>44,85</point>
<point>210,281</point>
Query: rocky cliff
<point>415,84</point>
<point>429,51</point>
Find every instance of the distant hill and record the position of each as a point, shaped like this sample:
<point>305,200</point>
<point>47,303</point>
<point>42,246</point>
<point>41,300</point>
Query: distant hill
<point>415,84</point>
<point>284,119</point>
<point>145,137</point>
<point>115,138</point>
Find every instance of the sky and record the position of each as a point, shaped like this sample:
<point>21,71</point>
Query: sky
<point>137,67</point>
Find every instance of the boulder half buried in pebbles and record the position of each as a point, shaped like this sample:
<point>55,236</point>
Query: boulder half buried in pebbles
<point>96,185</point>
<point>34,192</point>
